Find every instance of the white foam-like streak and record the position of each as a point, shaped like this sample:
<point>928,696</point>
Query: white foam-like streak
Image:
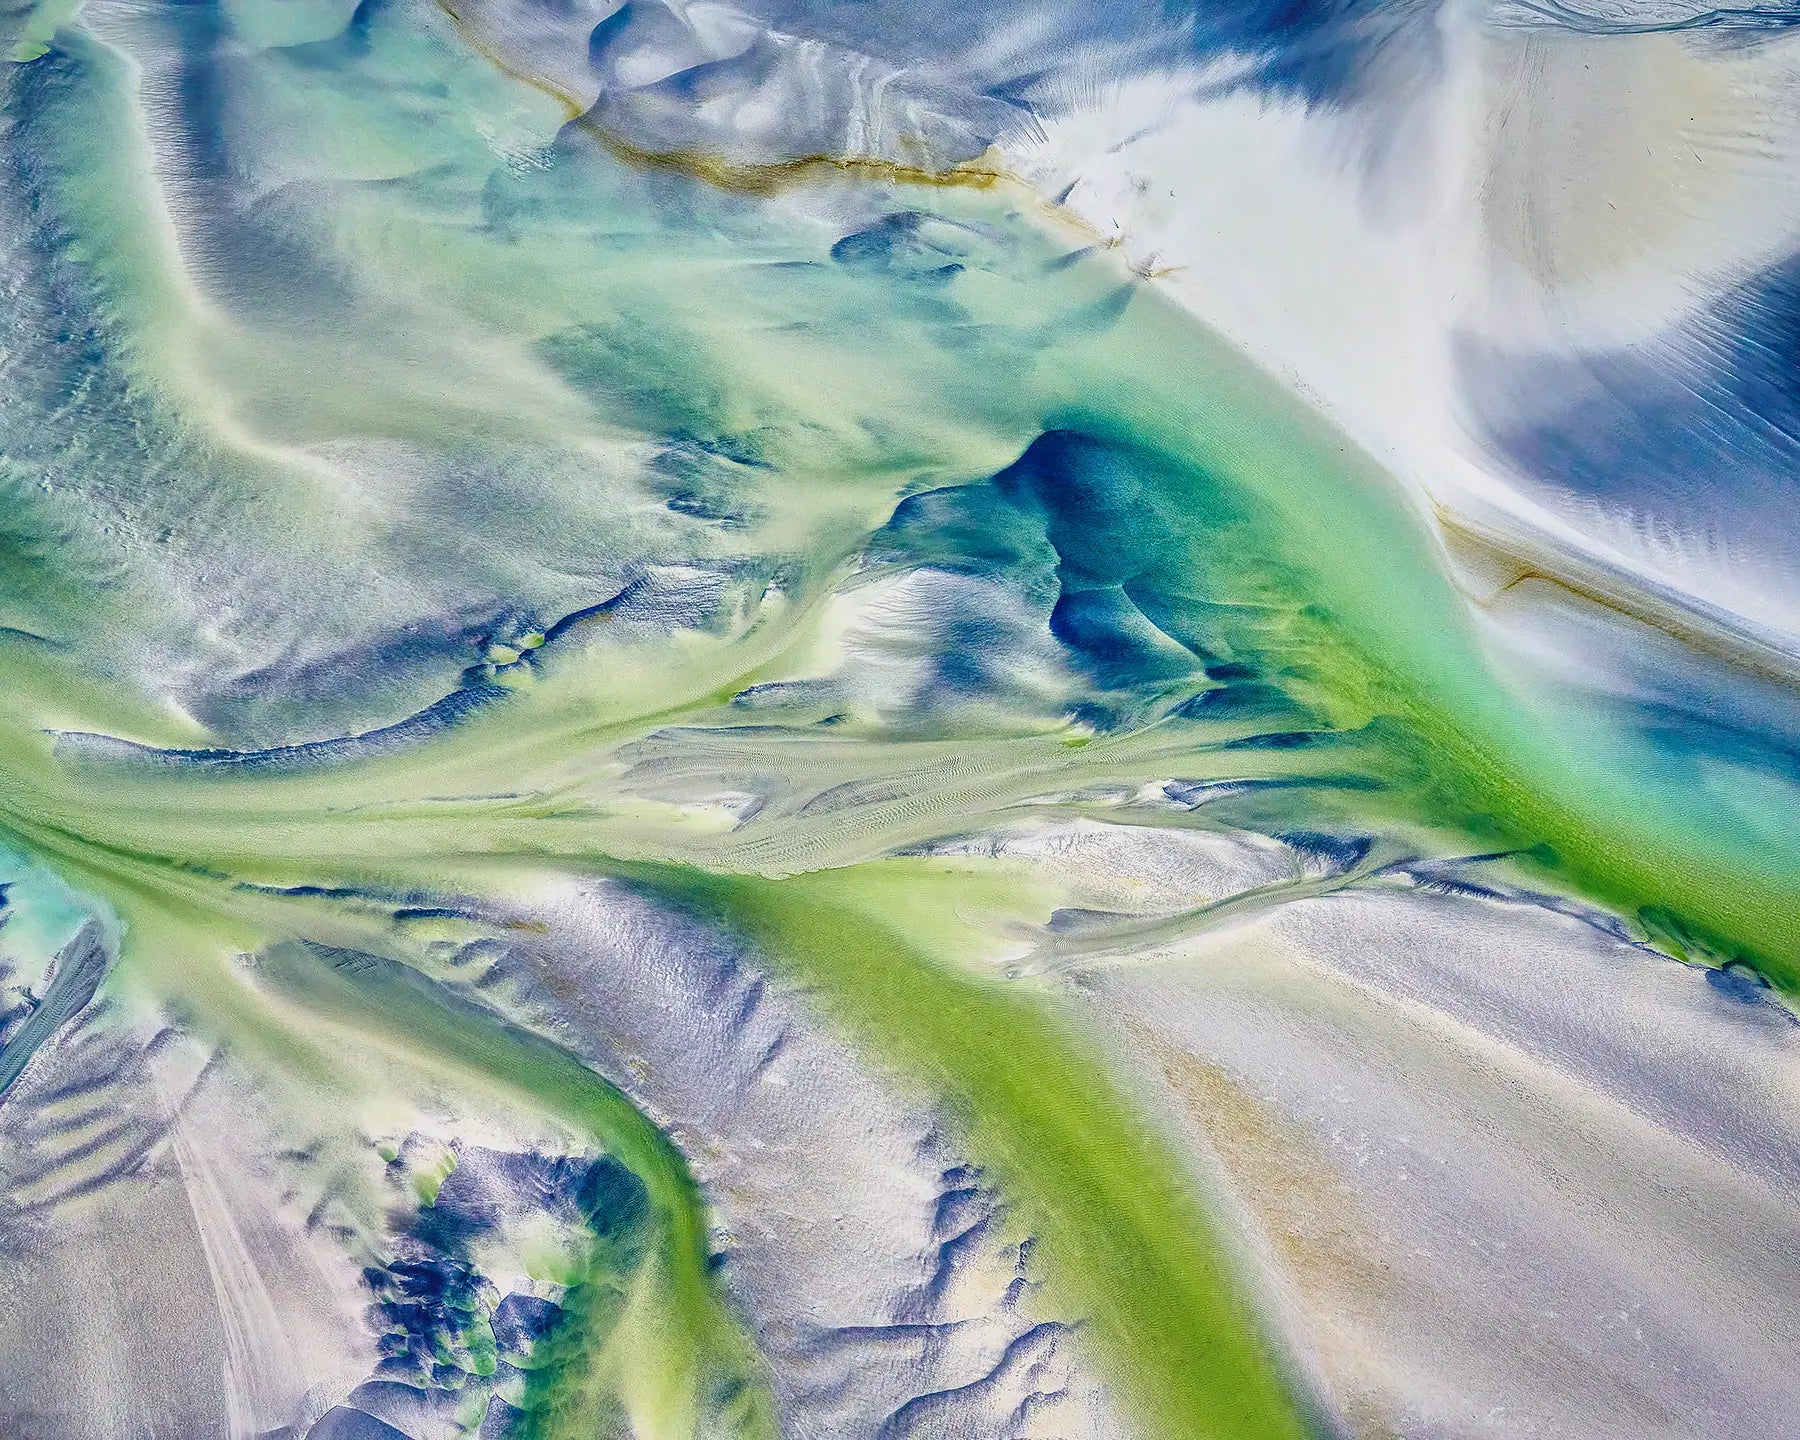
<point>1477,192</point>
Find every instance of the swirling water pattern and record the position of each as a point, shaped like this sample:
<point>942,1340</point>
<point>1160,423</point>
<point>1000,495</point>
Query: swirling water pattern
<point>678,762</point>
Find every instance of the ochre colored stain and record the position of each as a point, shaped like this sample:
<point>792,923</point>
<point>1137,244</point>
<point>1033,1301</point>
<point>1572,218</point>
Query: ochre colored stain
<point>1534,565</point>
<point>715,169</point>
<point>1304,1212</point>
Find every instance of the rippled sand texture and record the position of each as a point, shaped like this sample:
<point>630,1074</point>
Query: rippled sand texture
<point>898,722</point>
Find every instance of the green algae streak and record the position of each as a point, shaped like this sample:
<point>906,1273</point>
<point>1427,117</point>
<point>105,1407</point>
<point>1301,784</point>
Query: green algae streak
<point>1706,858</point>
<point>1125,1237</point>
<point>613,311</point>
<point>658,1344</point>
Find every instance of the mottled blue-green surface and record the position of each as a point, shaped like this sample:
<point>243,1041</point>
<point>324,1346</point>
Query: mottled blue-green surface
<point>678,762</point>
